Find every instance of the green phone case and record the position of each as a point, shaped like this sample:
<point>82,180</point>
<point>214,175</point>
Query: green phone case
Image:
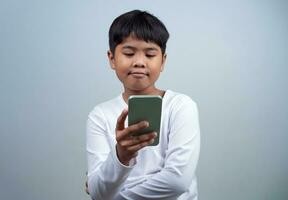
<point>148,108</point>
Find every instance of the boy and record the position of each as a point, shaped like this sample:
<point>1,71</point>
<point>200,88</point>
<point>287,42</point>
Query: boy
<point>121,166</point>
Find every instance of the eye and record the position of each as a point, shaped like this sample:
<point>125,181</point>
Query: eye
<point>150,55</point>
<point>129,54</point>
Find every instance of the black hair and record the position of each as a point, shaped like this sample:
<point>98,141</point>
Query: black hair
<point>140,24</point>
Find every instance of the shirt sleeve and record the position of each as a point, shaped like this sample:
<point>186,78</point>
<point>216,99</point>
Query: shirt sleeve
<point>181,158</point>
<point>106,173</point>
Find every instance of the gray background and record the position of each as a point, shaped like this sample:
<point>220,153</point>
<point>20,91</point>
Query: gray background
<point>230,56</point>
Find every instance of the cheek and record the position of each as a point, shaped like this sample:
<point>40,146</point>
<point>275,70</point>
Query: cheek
<point>158,66</point>
<point>119,63</point>
<point>156,72</point>
<point>123,63</point>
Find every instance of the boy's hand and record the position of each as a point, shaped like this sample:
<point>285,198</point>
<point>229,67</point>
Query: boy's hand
<point>127,145</point>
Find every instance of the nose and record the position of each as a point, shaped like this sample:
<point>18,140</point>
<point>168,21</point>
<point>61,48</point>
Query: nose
<point>139,61</point>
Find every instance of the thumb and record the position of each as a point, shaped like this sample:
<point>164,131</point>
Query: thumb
<point>121,120</point>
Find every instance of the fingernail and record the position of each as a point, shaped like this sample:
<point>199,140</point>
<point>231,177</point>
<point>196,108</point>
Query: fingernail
<point>146,123</point>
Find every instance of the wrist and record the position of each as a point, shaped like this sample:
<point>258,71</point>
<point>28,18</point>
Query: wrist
<point>121,157</point>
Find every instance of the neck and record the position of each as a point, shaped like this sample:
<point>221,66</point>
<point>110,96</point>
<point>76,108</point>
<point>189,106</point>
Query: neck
<point>154,91</point>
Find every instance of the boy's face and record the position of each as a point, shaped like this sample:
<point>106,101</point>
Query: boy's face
<point>137,64</point>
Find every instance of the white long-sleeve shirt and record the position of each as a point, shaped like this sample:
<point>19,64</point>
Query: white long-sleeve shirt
<point>165,171</point>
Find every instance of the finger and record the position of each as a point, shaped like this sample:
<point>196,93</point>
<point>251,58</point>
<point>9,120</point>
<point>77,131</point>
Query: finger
<point>135,154</point>
<point>133,140</point>
<point>121,120</point>
<point>139,146</point>
<point>127,131</point>
<point>137,127</point>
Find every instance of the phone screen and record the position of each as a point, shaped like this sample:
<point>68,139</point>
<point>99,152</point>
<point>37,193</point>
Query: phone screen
<point>148,108</point>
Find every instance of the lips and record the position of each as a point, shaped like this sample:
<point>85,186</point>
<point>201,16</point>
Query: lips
<point>138,73</point>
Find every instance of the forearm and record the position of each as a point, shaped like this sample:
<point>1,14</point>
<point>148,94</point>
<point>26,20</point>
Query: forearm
<point>165,185</point>
<point>172,181</point>
<point>106,181</point>
<point>105,172</point>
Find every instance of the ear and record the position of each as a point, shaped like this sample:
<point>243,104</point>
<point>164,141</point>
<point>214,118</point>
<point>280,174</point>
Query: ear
<point>111,59</point>
<point>163,61</point>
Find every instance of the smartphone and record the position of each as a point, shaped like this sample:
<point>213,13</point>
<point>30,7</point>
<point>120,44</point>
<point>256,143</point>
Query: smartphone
<point>145,108</point>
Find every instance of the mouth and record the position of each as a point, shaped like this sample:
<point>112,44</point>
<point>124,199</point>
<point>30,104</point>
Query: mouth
<point>138,74</point>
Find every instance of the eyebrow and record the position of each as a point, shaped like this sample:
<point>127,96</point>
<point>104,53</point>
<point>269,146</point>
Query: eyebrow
<point>134,48</point>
